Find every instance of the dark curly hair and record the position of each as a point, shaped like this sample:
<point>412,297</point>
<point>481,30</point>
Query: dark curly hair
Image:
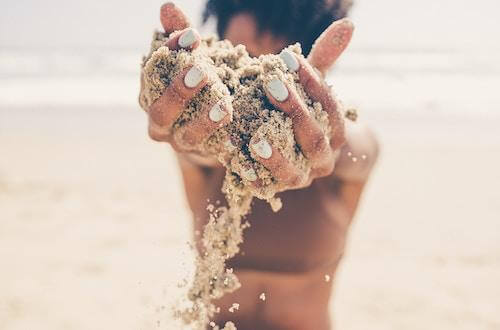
<point>295,20</point>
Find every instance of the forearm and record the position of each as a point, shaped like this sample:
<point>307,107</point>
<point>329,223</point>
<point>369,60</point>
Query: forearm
<point>201,182</point>
<point>199,161</point>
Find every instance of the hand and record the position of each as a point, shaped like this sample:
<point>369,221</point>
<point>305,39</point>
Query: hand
<point>185,86</point>
<point>315,145</point>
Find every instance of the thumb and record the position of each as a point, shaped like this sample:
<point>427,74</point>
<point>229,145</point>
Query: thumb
<point>330,44</point>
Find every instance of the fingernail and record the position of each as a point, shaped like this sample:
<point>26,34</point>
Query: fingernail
<point>263,149</point>
<point>193,77</point>
<point>187,39</point>
<point>277,89</point>
<point>216,114</point>
<point>249,174</point>
<point>290,60</point>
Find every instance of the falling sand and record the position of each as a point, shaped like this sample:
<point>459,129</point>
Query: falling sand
<point>240,79</point>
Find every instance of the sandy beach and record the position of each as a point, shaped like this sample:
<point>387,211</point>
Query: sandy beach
<point>94,226</point>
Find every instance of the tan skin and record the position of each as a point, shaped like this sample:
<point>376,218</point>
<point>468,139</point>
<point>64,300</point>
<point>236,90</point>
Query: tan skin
<point>285,255</point>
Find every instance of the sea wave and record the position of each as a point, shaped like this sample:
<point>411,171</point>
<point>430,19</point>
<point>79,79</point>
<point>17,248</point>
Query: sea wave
<point>73,62</point>
<point>397,80</point>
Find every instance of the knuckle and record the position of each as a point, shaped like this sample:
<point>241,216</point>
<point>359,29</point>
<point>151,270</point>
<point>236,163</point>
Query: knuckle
<point>296,180</point>
<point>188,139</point>
<point>282,173</point>
<point>156,118</point>
<point>156,135</point>
<point>308,81</point>
<point>177,91</point>
<point>319,144</point>
<point>318,148</point>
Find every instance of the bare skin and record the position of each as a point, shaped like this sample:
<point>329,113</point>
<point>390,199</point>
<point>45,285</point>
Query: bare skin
<point>285,255</point>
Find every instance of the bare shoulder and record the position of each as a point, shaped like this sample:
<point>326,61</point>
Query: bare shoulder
<point>354,166</point>
<point>359,155</point>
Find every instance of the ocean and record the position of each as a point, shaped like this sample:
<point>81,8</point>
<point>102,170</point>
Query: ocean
<point>407,57</point>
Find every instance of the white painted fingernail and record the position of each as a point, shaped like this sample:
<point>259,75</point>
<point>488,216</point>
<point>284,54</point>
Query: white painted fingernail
<point>249,174</point>
<point>216,114</point>
<point>193,77</point>
<point>277,89</point>
<point>187,39</point>
<point>290,60</point>
<point>263,149</point>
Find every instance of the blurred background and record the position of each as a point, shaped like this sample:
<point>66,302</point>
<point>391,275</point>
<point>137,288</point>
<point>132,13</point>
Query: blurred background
<point>93,228</point>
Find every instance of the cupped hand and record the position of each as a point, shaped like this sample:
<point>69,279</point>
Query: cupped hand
<point>185,86</point>
<point>320,150</point>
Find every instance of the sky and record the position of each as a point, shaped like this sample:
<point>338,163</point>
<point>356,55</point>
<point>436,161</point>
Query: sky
<point>438,55</point>
<point>404,24</point>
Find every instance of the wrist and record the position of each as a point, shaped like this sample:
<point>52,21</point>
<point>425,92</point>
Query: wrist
<point>198,160</point>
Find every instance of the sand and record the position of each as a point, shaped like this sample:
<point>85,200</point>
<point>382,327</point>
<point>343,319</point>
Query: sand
<point>94,225</point>
<point>239,79</point>
<point>93,220</point>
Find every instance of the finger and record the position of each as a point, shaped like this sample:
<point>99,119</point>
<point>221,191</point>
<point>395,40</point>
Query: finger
<point>211,118</point>
<point>308,134</point>
<point>167,108</point>
<point>272,159</point>
<point>318,91</point>
<point>172,18</point>
<point>187,38</point>
<point>330,44</point>
<point>337,123</point>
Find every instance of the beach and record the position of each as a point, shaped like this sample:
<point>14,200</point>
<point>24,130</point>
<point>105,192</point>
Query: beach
<point>95,228</point>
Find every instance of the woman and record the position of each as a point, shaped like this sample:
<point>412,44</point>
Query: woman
<point>292,255</point>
